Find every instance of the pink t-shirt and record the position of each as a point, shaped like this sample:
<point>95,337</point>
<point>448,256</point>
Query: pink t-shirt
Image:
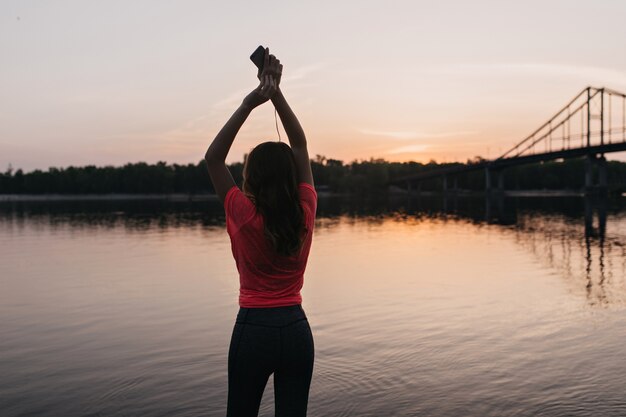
<point>266,278</point>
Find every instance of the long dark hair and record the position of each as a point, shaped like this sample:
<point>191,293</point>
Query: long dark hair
<point>270,180</point>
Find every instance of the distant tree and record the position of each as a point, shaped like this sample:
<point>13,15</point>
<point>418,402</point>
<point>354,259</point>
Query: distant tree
<point>358,176</point>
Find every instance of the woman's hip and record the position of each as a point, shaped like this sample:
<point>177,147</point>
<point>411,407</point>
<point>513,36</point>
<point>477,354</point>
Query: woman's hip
<point>276,317</point>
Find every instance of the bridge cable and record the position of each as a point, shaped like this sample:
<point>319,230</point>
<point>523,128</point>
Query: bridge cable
<point>569,126</point>
<point>582,128</point>
<point>610,112</point>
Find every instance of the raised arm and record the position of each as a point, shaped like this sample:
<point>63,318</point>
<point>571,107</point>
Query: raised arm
<point>295,133</point>
<point>215,156</point>
<point>296,136</point>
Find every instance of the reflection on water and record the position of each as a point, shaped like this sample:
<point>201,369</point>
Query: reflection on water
<point>593,263</point>
<point>423,306</point>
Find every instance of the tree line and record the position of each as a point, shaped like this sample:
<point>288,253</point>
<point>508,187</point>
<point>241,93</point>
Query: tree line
<point>364,176</point>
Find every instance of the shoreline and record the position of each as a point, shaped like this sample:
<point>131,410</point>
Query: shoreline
<point>182,197</point>
<point>106,197</point>
<point>178,197</point>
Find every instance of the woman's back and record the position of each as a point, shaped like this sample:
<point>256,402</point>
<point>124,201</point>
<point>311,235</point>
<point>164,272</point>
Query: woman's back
<point>267,279</point>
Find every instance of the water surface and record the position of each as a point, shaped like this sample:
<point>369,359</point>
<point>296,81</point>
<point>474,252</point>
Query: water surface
<point>418,308</point>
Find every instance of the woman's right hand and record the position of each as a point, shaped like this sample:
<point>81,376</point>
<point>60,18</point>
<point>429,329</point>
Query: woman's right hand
<point>272,67</point>
<point>266,89</point>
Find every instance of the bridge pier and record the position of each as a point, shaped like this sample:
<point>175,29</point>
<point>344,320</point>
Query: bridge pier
<point>602,172</point>
<point>602,184</point>
<point>445,184</point>
<point>499,177</point>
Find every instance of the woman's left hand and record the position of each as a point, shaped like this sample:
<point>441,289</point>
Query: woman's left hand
<point>271,66</point>
<point>266,89</point>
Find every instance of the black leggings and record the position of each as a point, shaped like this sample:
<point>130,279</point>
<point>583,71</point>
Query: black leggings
<point>274,340</point>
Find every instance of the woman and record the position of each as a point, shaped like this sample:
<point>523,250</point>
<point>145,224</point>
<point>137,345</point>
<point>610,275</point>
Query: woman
<point>270,224</point>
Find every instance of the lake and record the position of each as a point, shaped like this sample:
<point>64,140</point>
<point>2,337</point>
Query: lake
<point>419,307</point>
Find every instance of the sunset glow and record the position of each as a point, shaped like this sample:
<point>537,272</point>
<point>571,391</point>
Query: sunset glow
<point>113,82</point>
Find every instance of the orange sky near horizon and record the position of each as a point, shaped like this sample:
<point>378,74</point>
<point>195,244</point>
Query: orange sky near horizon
<point>114,82</point>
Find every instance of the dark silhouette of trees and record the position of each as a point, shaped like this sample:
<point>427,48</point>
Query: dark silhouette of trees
<point>365,176</point>
<point>131,178</point>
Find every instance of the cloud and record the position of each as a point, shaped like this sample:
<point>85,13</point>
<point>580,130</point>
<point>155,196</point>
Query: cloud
<point>414,147</point>
<point>409,149</point>
<point>232,99</point>
<point>414,135</point>
<point>303,72</point>
<point>586,73</point>
<point>391,134</point>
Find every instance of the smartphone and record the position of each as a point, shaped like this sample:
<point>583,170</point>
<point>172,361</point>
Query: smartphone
<point>258,57</point>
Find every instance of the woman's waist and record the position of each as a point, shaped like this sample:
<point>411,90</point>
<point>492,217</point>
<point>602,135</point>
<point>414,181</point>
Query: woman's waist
<point>276,294</point>
<point>271,316</point>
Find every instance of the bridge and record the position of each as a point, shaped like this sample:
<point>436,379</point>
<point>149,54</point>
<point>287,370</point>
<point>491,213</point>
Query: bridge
<point>592,124</point>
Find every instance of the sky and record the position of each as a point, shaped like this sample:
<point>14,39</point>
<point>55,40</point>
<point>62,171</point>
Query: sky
<point>112,82</point>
